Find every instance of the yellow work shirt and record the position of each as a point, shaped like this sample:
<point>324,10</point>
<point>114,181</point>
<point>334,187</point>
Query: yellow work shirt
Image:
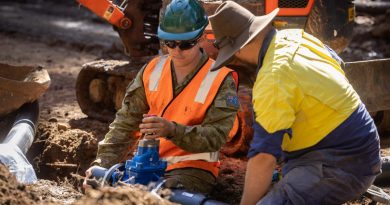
<point>302,88</point>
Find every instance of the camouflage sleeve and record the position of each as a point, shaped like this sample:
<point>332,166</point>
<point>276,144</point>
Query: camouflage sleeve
<point>115,145</point>
<point>211,135</point>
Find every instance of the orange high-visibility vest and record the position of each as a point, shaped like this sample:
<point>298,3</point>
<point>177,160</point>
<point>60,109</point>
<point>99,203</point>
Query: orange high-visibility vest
<point>189,107</point>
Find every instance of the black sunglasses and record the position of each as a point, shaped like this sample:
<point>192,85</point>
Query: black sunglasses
<point>183,45</point>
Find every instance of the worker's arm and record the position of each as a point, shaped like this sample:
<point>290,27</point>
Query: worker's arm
<point>212,133</point>
<point>275,101</point>
<point>258,177</point>
<point>115,145</point>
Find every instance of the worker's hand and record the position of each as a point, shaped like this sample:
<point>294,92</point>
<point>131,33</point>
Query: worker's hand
<point>88,175</point>
<point>153,127</point>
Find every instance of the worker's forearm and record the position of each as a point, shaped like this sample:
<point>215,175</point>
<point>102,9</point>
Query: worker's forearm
<point>258,177</point>
<point>111,153</point>
<point>115,145</point>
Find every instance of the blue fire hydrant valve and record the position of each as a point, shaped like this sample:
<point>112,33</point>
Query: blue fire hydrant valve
<point>146,166</point>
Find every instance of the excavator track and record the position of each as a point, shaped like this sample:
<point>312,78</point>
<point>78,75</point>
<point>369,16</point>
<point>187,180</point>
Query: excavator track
<point>101,86</point>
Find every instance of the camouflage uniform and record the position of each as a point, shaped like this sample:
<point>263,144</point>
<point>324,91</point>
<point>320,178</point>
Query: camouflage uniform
<point>207,137</point>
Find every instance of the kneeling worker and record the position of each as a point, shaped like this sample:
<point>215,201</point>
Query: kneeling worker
<point>306,112</point>
<point>194,107</point>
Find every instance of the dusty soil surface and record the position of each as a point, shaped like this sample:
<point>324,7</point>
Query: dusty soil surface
<point>11,192</point>
<point>62,37</point>
<point>121,195</point>
<point>49,193</point>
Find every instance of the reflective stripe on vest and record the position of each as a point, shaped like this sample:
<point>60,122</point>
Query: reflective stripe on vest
<point>156,74</point>
<point>205,86</point>
<point>206,156</point>
<point>189,108</point>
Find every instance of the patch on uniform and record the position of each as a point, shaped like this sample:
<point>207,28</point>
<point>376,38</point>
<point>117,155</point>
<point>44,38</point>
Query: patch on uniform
<point>233,86</point>
<point>232,101</point>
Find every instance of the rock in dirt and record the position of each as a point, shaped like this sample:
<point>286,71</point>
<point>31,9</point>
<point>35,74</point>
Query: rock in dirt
<point>62,126</point>
<point>53,119</point>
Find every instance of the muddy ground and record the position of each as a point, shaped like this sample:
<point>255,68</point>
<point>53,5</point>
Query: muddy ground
<point>61,37</point>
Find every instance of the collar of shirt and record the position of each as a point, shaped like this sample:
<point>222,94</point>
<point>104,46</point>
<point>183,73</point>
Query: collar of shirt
<point>179,87</point>
<point>263,50</point>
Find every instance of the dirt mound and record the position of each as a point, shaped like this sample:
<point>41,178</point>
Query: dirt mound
<point>59,151</point>
<point>11,192</point>
<point>230,182</point>
<point>51,192</point>
<point>121,195</point>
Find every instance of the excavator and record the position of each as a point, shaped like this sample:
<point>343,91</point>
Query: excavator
<point>101,85</point>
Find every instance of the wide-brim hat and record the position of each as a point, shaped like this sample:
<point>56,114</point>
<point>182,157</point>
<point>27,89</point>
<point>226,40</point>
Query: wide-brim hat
<point>234,27</point>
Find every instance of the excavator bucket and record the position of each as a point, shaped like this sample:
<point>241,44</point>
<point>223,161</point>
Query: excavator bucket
<point>370,79</point>
<point>19,85</point>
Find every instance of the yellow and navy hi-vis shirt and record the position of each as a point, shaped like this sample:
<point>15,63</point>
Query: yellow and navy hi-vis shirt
<point>301,95</point>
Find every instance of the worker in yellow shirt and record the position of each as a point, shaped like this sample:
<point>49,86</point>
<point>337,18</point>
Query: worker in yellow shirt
<point>306,113</point>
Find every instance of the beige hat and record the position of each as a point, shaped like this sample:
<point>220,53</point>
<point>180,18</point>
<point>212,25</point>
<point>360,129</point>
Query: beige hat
<point>234,27</point>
